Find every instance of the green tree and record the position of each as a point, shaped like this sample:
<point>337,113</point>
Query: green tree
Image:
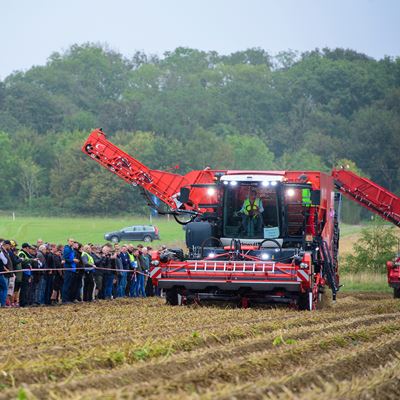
<point>373,249</point>
<point>250,153</point>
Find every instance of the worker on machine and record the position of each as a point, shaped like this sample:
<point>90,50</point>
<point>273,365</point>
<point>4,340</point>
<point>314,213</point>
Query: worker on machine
<point>251,211</point>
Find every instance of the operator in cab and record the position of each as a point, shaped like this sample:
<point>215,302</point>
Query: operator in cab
<point>251,211</point>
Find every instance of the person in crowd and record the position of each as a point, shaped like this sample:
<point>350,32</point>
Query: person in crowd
<point>49,275</point>
<point>89,267</point>
<point>77,286</point>
<point>17,262</point>
<point>123,275</point>
<point>132,266</point>
<point>4,270</point>
<point>109,267</point>
<point>70,271</point>
<point>140,272</point>
<point>134,261</point>
<point>27,278</point>
<point>9,277</point>
<point>39,276</point>
<point>58,276</point>
<point>149,288</point>
<point>98,273</point>
<point>146,263</point>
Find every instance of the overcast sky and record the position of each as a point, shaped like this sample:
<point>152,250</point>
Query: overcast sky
<point>30,30</point>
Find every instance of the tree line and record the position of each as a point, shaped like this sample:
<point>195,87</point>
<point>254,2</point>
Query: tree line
<point>190,108</point>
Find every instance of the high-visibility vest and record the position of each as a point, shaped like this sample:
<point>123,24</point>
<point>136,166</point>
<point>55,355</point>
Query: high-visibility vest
<point>306,197</point>
<point>248,206</point>
<point>24,256</point>
<point>132,260</point>
<point>90,258</point>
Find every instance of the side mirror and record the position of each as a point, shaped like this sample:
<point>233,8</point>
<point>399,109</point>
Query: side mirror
<point>184,195</point>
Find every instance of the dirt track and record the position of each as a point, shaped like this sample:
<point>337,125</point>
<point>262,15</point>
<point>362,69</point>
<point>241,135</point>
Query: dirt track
<point>143,349</point>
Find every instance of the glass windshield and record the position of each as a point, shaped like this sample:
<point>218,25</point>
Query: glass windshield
<point>251,211</point>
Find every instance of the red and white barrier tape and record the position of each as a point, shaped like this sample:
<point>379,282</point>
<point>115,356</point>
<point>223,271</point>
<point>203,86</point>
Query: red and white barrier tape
<point>88,269</point>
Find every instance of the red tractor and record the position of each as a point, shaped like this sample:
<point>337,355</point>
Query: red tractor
<point>251,236</point>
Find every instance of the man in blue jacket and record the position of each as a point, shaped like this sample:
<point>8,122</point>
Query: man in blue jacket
<point>70,270</point>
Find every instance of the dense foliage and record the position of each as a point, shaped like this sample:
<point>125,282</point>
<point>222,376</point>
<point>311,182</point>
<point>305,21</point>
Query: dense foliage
<point>371,252</point>
<point>244,110</point>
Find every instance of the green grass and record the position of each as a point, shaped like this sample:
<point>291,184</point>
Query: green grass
<point>348,230</point>
<point>82,229</point>
<point>364,281</point>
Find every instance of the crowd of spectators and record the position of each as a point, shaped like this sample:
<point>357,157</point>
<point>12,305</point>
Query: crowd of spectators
<point>51,274</point>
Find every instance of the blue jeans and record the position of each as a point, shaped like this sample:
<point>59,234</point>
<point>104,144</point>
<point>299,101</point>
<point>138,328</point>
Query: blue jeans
<point>48,289</point>
<point>108,285</point>
<point>122,281</point>
<point>134,282</point>
<point>39,289</point>
<point>3,290</point>
<point>69,277</point>
<point>140,286</point>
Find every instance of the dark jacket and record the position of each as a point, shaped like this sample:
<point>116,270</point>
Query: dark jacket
<point>109,263</point>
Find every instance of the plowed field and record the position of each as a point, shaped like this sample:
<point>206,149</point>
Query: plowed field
<point>144,349</point>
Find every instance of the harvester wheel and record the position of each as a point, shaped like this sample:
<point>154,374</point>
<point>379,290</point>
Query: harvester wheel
<point>305,301</point>
<point>171,296</point>
<point>396,293</point>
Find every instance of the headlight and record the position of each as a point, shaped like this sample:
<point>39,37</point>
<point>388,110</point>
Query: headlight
<point>303,265</point>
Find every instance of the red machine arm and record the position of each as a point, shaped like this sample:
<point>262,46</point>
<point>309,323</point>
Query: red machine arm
<point>164,185</point>
<point>370,195</point>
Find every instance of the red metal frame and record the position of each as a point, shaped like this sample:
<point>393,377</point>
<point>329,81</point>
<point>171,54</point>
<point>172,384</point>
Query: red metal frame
<point>370,195</point>
<point>164,185</point>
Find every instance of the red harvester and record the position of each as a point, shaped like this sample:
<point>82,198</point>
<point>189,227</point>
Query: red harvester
<point>281,247</point>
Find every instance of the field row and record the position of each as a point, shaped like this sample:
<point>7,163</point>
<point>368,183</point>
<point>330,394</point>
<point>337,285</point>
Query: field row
<point>144,349</point>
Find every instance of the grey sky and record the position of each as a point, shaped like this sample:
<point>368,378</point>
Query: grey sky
<point>30,30</point>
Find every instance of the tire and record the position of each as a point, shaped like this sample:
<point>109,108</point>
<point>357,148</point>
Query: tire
<point>147,238</point>
<point>171,296</point>
<point>396,293</point>
<point>304,303</point>
<point>114,239</point>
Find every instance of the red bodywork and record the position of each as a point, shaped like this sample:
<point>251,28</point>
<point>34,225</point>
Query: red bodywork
<point>250,270</point>
<point>393,273</point>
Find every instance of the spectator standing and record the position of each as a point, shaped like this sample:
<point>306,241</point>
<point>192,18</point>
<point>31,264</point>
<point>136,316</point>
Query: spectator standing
<point>9,277</point>
<point>17,263</point>
<point>140,270</point>
<point>108,263</point>
<point>49,275</point>
<point>98,273</point>
<point>125,265</point>
<point>40,287</point>
<point>70,271</point>
<point>77,287</point>
<point>58,262</point>
<point>26,284</point>
<point>88,280</point>
<point>134,260</point>
<point>3,281</point>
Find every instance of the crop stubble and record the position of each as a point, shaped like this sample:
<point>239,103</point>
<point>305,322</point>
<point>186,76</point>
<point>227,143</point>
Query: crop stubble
<point>144,349</point>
